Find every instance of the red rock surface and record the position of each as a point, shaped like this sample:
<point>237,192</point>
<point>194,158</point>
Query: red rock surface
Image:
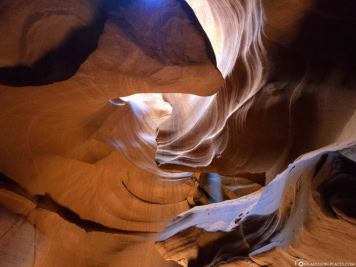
<point>224,131</point>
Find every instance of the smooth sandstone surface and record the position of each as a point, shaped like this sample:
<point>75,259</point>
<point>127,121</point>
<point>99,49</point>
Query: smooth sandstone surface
<point>290,91</point>
<point>282,94</point>
<point>299,211</point>
<point>84,156</point>
<point>168,132</point>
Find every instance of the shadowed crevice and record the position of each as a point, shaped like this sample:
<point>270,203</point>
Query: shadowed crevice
<point>60,63</point>
<point>10,185</point>
<point>48,203</point>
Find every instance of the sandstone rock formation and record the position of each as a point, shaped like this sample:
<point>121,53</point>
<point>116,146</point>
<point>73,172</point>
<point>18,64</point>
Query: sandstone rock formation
<point>306,210</point>
<point>64,140</point>
<point>278,98</point>
<point>294,66</point>
<point>118,117</point>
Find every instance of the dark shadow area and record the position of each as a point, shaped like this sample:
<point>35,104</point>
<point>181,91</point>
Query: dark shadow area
<point>320,62</point>
<point>221,250</point>
<point>191,15</point>
<point>149,33</point>
<point>320,164</point>
<point>327,41</point>
<point>48,203</point>
<point>337,191</point>
<point>60,63</point>
<point>10,185</point>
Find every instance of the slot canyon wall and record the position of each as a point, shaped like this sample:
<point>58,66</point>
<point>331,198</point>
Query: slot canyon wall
<point>169,132</point>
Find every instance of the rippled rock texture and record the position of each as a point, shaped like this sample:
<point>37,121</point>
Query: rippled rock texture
<point>119,116</point>
<point>287,70</point>
<point>94,195</point>
<point>307,210</point>
<point>282,92</point>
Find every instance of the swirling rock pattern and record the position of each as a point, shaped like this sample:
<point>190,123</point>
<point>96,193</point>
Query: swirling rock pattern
<point>283,86</point>
<point>308,211</point>
<point>116,117</point>
<point>83,157</point>
<point>280,99</point>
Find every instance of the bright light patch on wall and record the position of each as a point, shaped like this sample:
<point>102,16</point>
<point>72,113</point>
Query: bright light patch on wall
<point>141,97</point>
<point>148,101</point>
<point>209,22</point>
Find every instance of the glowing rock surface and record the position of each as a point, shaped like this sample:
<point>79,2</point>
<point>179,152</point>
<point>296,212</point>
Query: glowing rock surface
<point>117,117</point>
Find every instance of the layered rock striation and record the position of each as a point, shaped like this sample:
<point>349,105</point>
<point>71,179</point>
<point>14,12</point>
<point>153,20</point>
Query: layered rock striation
<point>202,132</point>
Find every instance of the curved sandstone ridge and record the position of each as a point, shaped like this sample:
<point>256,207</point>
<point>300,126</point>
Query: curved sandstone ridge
<point>106,48</point>
<point>84,157</point>
<point>286,77</point>
<point>117,116</point>
<point>301,71</point>
<point>308,211</point>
